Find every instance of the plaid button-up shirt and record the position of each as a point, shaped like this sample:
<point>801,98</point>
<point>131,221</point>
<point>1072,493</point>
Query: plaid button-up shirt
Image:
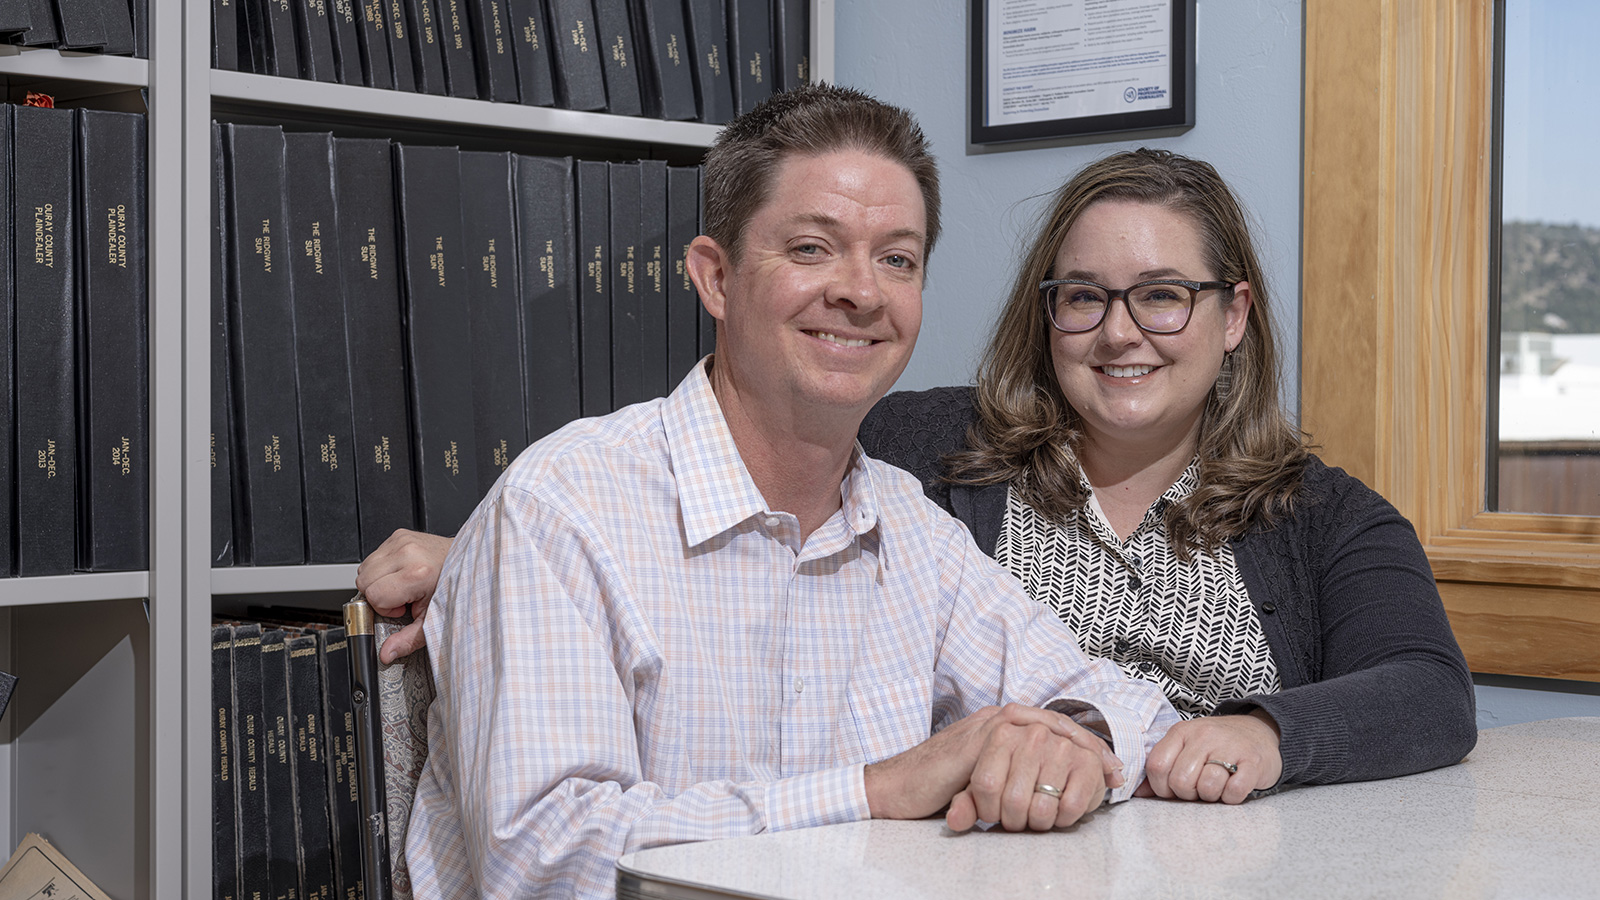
<point>632,649</point>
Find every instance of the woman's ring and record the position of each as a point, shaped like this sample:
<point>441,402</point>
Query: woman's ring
<point>1048,789</point>
<point>1233,768</point>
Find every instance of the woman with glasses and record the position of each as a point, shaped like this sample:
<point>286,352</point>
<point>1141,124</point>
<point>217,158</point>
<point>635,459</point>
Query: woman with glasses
<point>1124,454</point>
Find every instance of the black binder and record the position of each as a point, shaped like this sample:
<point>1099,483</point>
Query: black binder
<point>708,40</point>
<point>222,481</point>
<point>750,45</point>
<point>344,16</point>
<point>314,38</point>
<point>438,335</point>
<point>791,21</point>
<point>532,52</point>
<point>255,879</point>
<point>618,60</point>
<point>627,332</point>
<point>372,42</point>
<point>666,83</point>
<point>41,30</point>
<point>652,278</point>
<point>364,192</point>
<point>114,376</point>
<point>261,331</point>
<point>594,285</point>
<point>460,56</point>
<point>224,35</point>
<point>343,809</point>
<point>117,20</point>
<point>224,769</point>
<point>545,262</point>
<point>46,287</point>
<point>277,767</point>
<point>322,357</point>
<point>400,40</point>
<point>308,751</point>
<point>80,24</point>
<point>489,231</point>
<point>683,302</point>
<point>8,422</point>
<point>493,40</point>
<point>579,84</point>
<point>426,47</point>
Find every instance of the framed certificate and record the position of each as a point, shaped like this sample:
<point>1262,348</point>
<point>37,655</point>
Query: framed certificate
<point>1044,69</point>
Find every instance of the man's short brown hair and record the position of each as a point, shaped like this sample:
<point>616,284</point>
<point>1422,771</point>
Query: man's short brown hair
<point>808,121</point>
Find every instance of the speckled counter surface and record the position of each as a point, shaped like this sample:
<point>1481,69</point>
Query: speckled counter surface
<point>1519,818</point>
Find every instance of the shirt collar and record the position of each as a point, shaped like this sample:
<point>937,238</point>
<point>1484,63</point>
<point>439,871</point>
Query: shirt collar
<point>1187,482</point>
<point>715,490</point>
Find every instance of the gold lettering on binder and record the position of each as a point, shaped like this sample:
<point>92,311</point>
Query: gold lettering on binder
<point>619,51</point>
<point>44,235</point>
<point>436,259</point>
<point>756,68</point>
<point>452,459</point>
<point>224,770</point>
<point>117,236</point>
<point>380,454</point>
<point>122,457</point>
<point>672,50</point>
<point>579,38</point>
<point>714,60</point>
<point>273,454</point>
<point>330,453</point>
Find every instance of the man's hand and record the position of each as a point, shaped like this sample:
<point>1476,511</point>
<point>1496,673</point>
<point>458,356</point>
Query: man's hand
<point>401,575</point>
<point>987,767</point>
<point>1181,764</point>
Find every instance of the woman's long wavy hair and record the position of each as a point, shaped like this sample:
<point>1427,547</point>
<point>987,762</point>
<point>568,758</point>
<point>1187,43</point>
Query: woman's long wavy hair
<point>1028,435</point>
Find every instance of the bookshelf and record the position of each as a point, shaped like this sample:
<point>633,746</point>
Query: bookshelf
<point>106,747</point>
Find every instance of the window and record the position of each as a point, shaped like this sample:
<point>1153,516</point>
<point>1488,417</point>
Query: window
<point>1544,429</point>
<point>1396,349</point>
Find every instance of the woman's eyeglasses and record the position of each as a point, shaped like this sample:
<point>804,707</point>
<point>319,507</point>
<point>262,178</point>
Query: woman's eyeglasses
<point>1157,307</point>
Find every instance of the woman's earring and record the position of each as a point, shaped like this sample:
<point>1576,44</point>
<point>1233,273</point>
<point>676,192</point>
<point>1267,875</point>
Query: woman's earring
<point>1225,378</point>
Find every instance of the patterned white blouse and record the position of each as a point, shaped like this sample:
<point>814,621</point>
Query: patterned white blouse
<point>1188,627</point>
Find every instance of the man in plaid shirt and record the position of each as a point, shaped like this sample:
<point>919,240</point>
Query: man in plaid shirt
<point>712,615</point>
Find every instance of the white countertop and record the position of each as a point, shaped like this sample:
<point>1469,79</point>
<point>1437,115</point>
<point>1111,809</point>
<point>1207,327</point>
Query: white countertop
<point>1519,818</point>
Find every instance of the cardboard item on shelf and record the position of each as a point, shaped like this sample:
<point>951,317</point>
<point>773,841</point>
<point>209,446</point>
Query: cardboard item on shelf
<point>38,869</point>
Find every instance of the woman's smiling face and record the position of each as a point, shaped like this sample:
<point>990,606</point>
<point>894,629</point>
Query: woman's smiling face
<point>1127,385</point>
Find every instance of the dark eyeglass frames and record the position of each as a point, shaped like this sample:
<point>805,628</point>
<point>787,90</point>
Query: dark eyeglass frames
<point>1157,307</point>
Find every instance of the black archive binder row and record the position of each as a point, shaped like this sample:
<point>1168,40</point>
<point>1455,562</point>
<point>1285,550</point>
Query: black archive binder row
<point>74,480</point>
<point>704,60</point>
<point>111,27</point>
<point>394,323</point>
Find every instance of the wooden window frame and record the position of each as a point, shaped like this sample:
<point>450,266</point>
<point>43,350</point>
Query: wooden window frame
<point>1395,348</point>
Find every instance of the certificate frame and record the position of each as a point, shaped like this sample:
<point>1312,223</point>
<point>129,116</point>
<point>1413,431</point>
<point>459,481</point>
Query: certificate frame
<point>986,126</point>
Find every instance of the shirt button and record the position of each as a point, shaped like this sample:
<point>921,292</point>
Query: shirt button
<point>799,685</point>
<point>1121,646</point>
<point>1133,562</point>
<point>772,521</point>
<point>1134,583</point>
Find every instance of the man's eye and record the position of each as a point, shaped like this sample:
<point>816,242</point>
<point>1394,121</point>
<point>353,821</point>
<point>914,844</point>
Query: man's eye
<point>899,261</point>
<point>807,249</point>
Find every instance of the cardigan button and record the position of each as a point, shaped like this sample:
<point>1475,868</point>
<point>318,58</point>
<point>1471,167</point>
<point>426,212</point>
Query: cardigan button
<point>1269,607</point>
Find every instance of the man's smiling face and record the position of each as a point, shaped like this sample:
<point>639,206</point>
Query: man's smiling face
<point>821,311</point>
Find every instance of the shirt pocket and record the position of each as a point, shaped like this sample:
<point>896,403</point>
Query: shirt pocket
<point>886,719</point>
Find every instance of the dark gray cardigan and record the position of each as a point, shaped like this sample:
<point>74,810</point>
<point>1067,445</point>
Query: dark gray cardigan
<point>1374,684</point>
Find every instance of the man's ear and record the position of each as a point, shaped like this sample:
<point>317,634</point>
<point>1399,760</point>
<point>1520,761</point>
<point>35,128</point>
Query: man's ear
<point>708,266</point>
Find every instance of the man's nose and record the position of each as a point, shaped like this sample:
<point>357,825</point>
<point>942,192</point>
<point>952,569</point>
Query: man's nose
<point>856,283</point>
